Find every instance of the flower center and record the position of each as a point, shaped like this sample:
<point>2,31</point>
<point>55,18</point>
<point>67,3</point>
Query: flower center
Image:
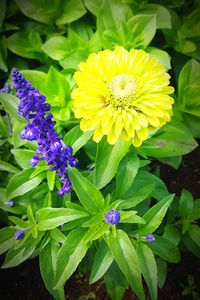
<point>122,90</point>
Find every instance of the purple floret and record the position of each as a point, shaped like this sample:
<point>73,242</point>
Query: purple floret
<point>112,217</point>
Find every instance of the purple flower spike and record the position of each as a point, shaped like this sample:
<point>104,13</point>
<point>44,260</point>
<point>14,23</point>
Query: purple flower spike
<point>150,237</point>
<point>40,127</point>
<point>6,89</point>
<point>112,217</point>
<point>19,235</point>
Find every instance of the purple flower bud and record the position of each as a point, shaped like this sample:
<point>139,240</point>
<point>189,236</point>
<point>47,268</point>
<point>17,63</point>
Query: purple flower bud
<point>34,161</point>
<point>10,203</point>
<point>6,89</point>
<point>150,237</point>
<point>72,162</point>
<point>19,235</point>
<point>112,217</point>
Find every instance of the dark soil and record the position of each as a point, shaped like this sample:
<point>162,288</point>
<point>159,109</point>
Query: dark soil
<point>25,283</point>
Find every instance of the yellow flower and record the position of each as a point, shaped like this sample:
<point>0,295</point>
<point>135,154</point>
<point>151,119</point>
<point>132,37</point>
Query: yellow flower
<point>122,94</point>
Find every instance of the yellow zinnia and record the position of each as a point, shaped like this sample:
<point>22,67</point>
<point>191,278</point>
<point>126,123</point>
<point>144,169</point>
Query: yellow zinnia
<point>122,94</point>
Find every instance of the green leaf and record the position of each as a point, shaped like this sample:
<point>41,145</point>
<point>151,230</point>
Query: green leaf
<point>172,233</point>
<point>5,166</point>
<point>90,197</point>
<point>37,78</point>
<point>102,262</point>
<point>14,257</point>
<point>191,245</point>
<point>6,239</point>
<point>194,233</point>
<point>107,161</point>
<point>71,10</point>
<point>49,218</point>
<point>26,45</point>
<point>51,179</point>
<point>126,173</point>
<point>142,29</point>
<point>174,139</point>
<point>48,260</point>
<point>110,19</point>
<point>42,11</point>
<point>127,260</point>
<point>130,217</point>
<point>163,18</point>
<point>77,138</point>
<point>162,56</point>
<point>56,47</point>
<point>70,255</point>
<point>185,204</point>
<point>23,157</point>
<point>3,52</point>
<point>10,103</point>
<point>155,215</point>
<point>20,184</point>
<point>116,282</point>
<point>162,271</point>
<point>189,88</point>
<point>93,6</point>
<point>165,249</point>
<point>132,198</point>
<point>148,267</point>
<point>3,13</point>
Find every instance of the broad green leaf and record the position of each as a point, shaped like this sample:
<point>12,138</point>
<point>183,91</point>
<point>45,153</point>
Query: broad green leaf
<point>26,45</point>
<point>3,52</point>
<point>185,203</point>
<point>110,19</point>
<point>132,198</point>
<point>163,18</point>
<point>191,24</point>
<point>74,58</point>
<point>162,271</point>
<point>56,47</point>
<point>142,29</point>
<point>102,262</point>
<point>14,257</point>
<point>194,233</point>
<point>155,215</point>
<point>131,217</point>
<point>162,56</point>
<point>20,183</point>
<point>127,170</point>
<point>93,6</point>
<point>90,197</point>
<point>107,161</point>
<point>51,179</point>
<point>191,245</point>
<point>70,11</point>
<point>70,255</point>
<point>127,260</point>
<point>23,157</point>
<point>174,139</point>
<point>165,249</point>
<point>37,78</point>
<point>42,11</point>
<point>10,103</point>
<point>48,260</point>
<point>3,13</point>
<point>39,170</point>
<point>77,138</point>
<point>172,233</point>
<point>6,239</point>
<point>116,282</point>
<point>49,218</point>
<point>148,267</point>
<point>189,88</point>
<point>5,166</point>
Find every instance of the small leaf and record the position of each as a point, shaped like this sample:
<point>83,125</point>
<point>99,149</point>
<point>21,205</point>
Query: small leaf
<point>5,166</point>
<point>127,260</point>
<point>194,233</point>
<point>6,239</point>
<point>23,157</point>
<point>71,10</point>
<point>102,262</point>
<point>10,103</point>
<point>185,204</point>
<point>49,218</point>
<point>56,47</point>
<point>155,215</point>
<point>90,197</point>
<point>20,184</point>
<point>70,255</point>
<point>51,179</point>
